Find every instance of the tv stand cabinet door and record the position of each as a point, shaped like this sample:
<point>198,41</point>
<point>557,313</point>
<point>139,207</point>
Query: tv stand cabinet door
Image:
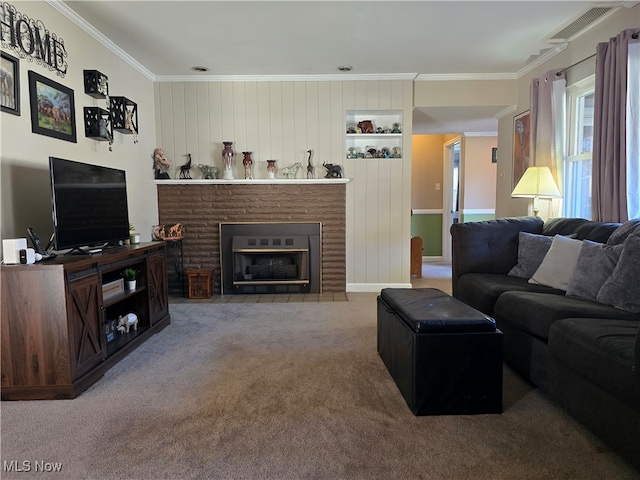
<point>87,345</point>
<point>158,287</point>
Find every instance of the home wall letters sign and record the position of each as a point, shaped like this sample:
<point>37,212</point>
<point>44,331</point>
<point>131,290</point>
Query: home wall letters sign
<point>30,39</point>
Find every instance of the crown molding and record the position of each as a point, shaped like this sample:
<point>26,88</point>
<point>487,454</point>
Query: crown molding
<point>507,111</point>
<point>427,77</point>
<point>545,57</point>
<point>90,30</point>
<point>480,134</point>
<point>284,78</point>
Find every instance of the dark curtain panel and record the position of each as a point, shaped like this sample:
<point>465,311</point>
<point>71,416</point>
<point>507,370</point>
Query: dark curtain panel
<point>609,192</point>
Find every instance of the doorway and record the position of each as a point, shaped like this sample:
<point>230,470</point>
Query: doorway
<point>450,192</point>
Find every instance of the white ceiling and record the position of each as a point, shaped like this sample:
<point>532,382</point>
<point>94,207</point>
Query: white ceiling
<point>312,38</point>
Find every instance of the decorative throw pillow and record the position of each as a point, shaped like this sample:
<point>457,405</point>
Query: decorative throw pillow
<point>622,289</point>
<point>595,265</point>
<point>531,251</point>
<point>559,263</point>
<point>620,234</point>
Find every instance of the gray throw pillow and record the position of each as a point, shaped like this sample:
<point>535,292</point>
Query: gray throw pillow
<point>596,263</point>
<point>532,249</point>
<point>622,289</point>
<point>620,234</point>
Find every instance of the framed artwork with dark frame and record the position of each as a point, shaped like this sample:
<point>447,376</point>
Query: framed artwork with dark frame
<point>52,108</point>
<point>10,84</point>
<point>521,145</point>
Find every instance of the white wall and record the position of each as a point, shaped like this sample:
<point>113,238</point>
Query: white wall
<point>282,120</point>
<point>24,176</point>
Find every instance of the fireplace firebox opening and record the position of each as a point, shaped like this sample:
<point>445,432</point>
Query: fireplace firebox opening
<point>270,258</point>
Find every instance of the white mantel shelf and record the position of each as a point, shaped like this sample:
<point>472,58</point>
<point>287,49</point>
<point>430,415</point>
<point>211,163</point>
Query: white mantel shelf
<point>255,181</point>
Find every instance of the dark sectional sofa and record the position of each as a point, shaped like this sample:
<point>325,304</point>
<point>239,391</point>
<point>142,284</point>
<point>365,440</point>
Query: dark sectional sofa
<point>585,354</point>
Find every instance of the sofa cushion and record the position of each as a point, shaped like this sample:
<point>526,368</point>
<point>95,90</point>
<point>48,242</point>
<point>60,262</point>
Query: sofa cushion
<point>622,288</point>
<point>595,265</point>
<point>532,249</point>
<point>559,263</point>
<point>481,290</point>
<point>601,351</point>
<point>580,229</point>
<point>535,312</point>
<point>621,233</point>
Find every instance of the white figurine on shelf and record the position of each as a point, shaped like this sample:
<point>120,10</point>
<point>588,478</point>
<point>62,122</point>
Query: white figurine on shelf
<point>126,322</point>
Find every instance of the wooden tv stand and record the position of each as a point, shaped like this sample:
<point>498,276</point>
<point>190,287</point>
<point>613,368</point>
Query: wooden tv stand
<point>55,320</point>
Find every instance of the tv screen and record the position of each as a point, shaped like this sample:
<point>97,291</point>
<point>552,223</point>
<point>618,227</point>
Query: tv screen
<point>89,204</point>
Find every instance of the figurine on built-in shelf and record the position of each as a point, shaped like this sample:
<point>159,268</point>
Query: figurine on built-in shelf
<point>227,155</point>
<point>247,161</point>
<point>333,171</point>
<point>185,169</point>
<point>208,171</point>
<point>160,164</point>
<point>125,323</point>
<point>310,167</point>
<point>128,124</point>
<point>291,171</point>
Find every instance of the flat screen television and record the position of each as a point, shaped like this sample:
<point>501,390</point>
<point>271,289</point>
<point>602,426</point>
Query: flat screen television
<point>89,204</point>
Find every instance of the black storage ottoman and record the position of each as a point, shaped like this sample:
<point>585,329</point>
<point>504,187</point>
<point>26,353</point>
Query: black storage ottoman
<point>445,356</point>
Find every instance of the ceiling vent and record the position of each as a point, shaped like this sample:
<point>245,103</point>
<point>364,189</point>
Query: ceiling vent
<point>580,24</point>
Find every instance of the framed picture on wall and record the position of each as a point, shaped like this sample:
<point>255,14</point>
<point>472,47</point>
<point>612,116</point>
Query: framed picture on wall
<point>10,84</point>
<point>52,108</point>
<point>521,145</point>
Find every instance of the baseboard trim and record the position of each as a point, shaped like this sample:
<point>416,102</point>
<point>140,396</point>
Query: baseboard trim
<point>374,287</point>
<point>434,258</point>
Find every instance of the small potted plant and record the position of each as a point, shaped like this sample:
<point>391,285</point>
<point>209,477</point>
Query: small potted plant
<point>134,238</point>
<point>130,275</point>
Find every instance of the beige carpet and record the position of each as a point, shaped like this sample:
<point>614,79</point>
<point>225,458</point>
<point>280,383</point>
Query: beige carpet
<point>286,391</point>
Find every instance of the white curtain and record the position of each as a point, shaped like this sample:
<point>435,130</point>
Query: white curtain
<point>633,129</point>
<point>548,112</point>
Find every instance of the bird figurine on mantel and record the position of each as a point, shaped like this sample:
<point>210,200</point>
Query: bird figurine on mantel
<point>310,168</point>
<point>185,169</point>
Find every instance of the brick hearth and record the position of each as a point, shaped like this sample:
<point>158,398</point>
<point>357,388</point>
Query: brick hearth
<point>201,206</point>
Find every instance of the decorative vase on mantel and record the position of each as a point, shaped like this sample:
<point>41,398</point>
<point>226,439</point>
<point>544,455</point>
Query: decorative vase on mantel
<point>227,156</point>
<point>247,161</point>
<point>271,168</point>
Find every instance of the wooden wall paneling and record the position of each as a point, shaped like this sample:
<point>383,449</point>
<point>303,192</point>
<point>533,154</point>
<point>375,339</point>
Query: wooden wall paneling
<point>191,127</point>
<point>179,127</point>
<point>384,96</point>
<point>165,114</point>
<point>349,168</point>
<point>385,219</point>
<point>372,224</point>
<point>215,124</point>
<point>275,118</point>
<point>300,142</point>
<point>227,121</point>
<point>251,115</point>
<point>264,126</point>
<point>203,141</point>
<point>288,124</point>
<point>240,124</point>
<point>312,130</point>
<point>324,127</point>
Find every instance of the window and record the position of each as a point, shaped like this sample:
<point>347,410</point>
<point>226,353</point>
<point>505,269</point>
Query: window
<point>577,162</point>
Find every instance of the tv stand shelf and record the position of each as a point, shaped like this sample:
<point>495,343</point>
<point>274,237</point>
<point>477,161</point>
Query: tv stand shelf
<point>55,321</point>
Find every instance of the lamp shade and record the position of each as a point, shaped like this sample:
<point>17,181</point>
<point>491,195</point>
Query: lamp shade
<point>536,182</point>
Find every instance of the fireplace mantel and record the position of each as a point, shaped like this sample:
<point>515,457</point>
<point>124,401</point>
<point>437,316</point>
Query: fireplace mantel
<point>256,181</point>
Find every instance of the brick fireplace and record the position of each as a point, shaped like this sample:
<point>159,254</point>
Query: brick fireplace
<point>201,205</point>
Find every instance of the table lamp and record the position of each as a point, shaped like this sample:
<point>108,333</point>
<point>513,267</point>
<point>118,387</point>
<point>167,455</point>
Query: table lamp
<point>536,183</point>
